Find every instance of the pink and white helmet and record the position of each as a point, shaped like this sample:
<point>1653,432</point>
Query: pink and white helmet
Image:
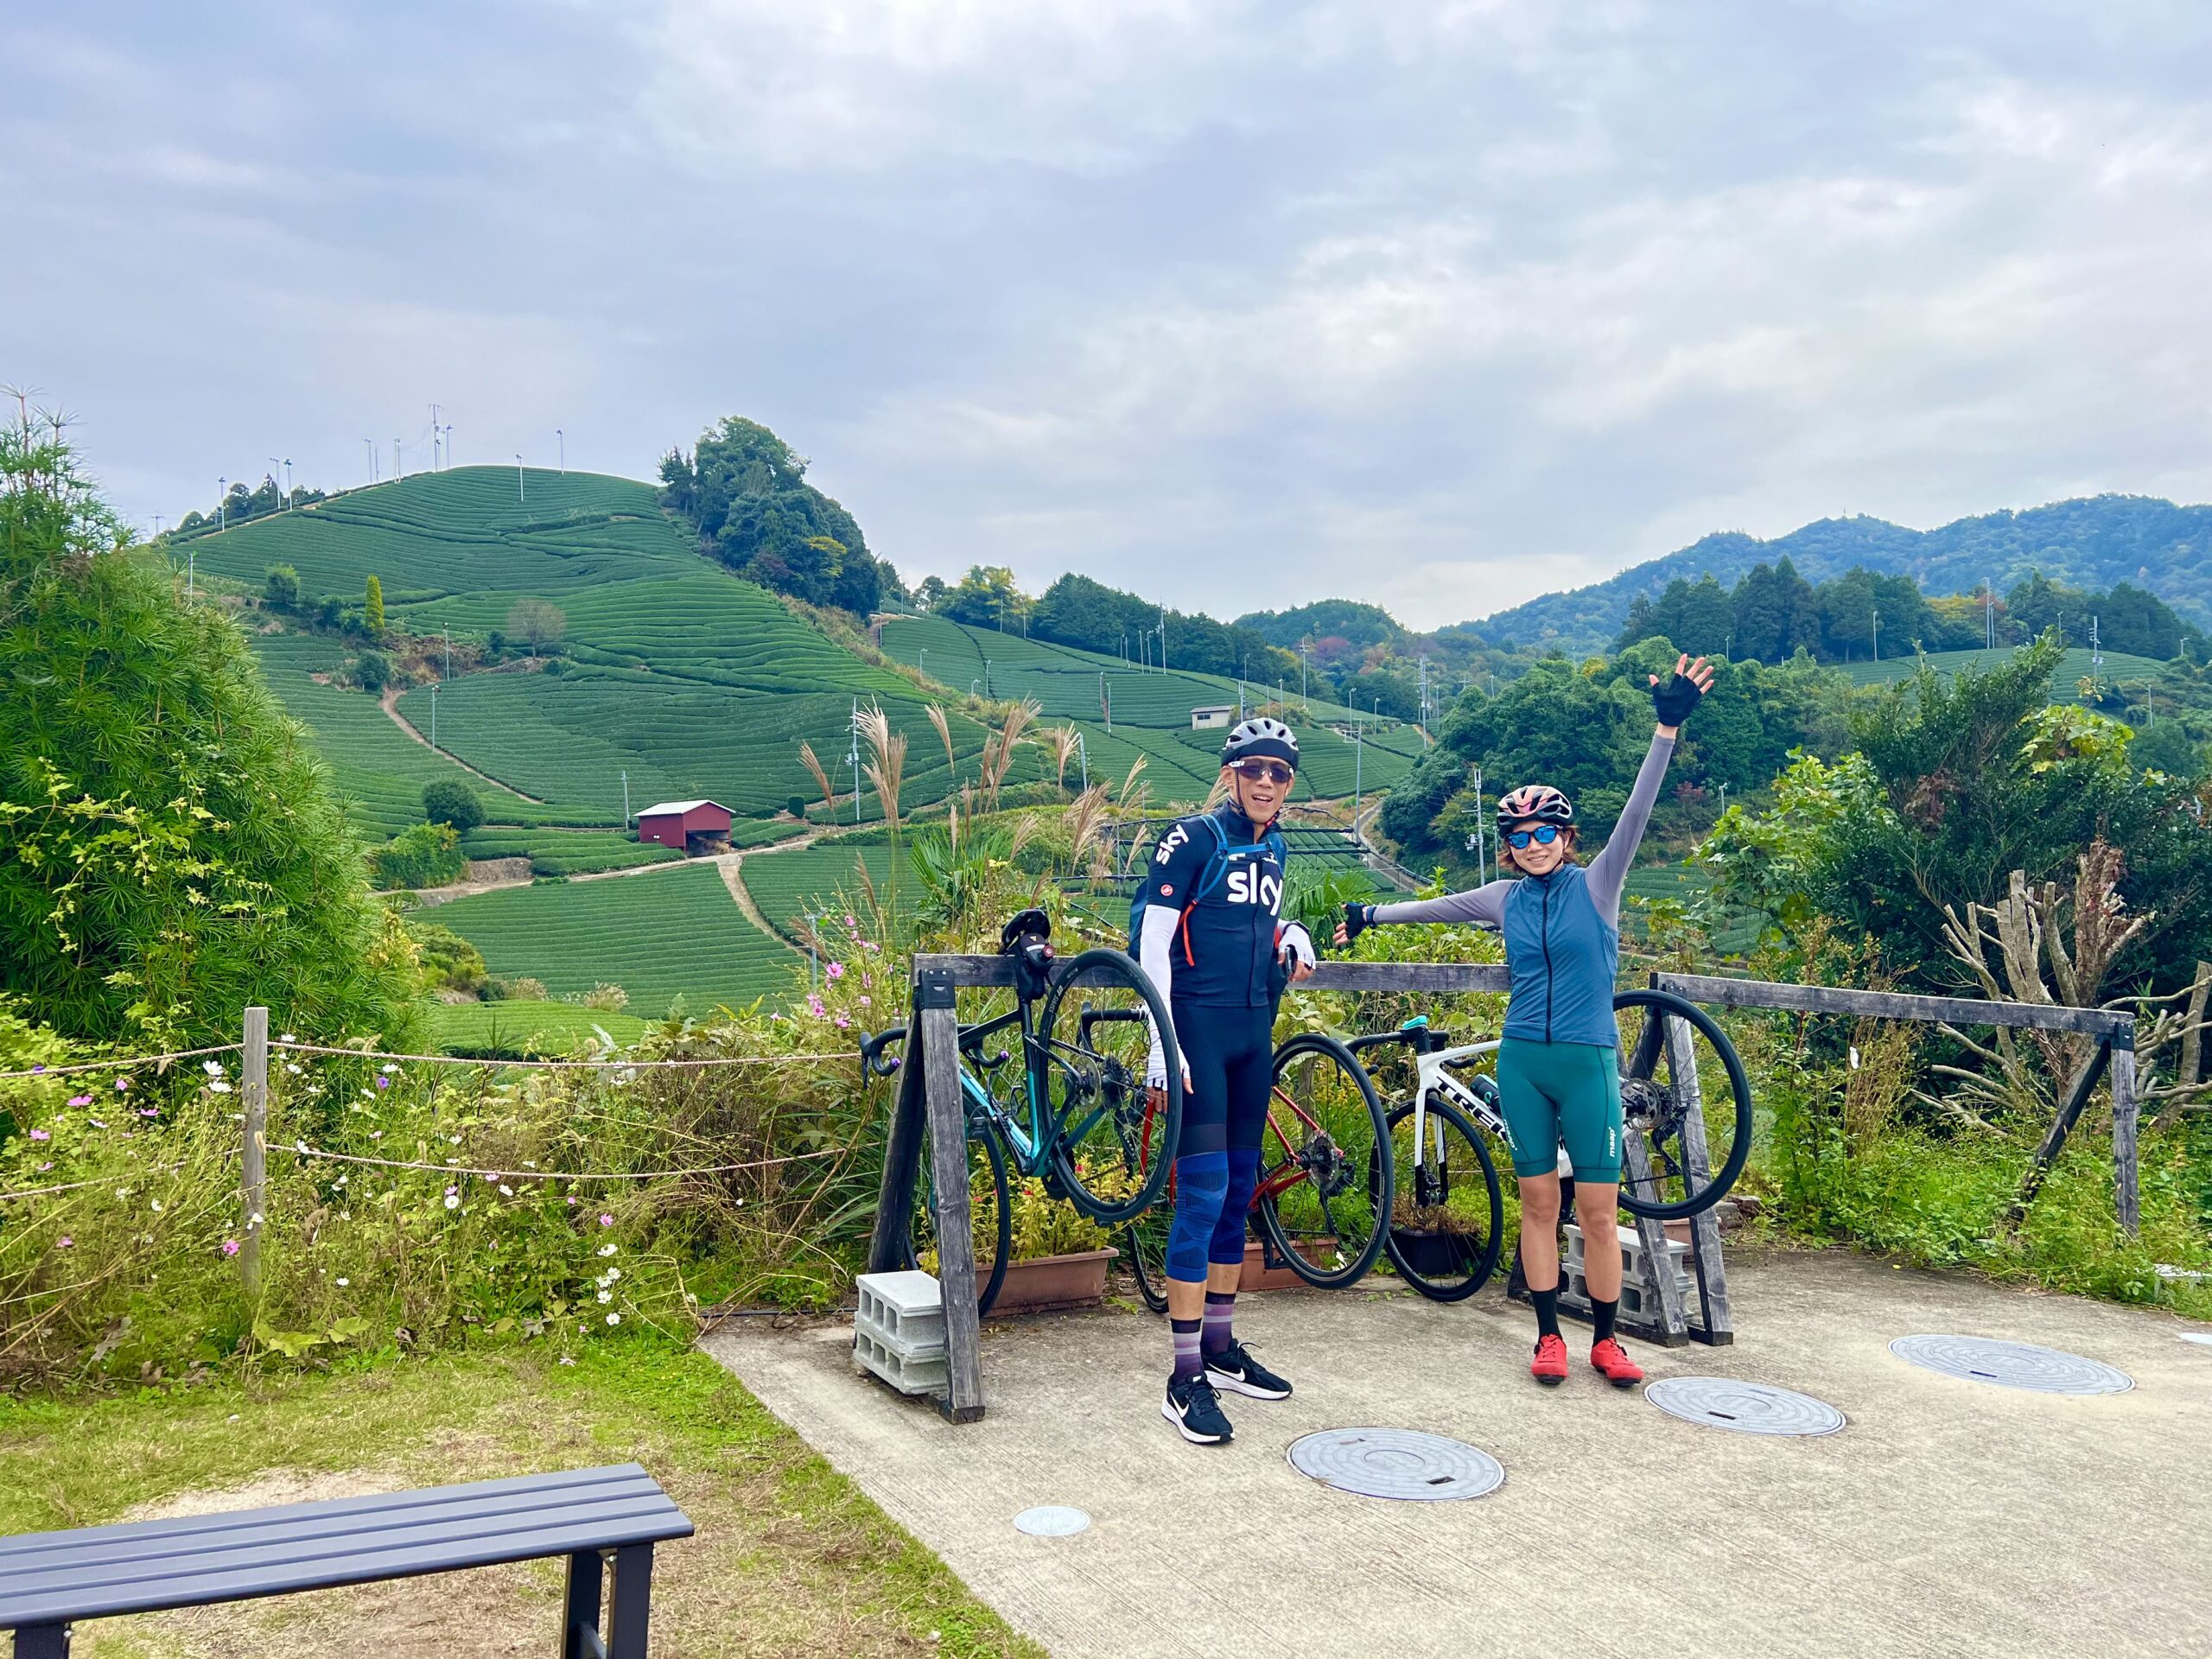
<point>1538,801</point>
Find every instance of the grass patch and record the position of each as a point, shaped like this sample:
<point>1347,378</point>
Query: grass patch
<point>524,1030</point>
<point>789,1558</point>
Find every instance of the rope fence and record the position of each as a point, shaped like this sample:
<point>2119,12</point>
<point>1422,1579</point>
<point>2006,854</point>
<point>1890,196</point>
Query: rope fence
<point>563,1065</point>
<point>120,1065</point>
<point>300,1148</point>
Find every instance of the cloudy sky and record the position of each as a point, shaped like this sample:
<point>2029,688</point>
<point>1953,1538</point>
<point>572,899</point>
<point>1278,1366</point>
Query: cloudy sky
<point>1440,305</point>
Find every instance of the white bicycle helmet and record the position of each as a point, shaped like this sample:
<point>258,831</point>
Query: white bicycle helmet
<point>1262,737</point>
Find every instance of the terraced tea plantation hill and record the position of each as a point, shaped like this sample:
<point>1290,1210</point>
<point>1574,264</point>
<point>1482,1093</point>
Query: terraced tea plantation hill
<point>786,886</point>
<point>1151,710</point>
<point>658,934</point>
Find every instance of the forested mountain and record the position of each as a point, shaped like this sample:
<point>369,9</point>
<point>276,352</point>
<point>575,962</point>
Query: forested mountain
<point>2096,543</point>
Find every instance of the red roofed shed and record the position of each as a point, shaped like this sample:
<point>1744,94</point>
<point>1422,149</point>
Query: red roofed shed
<point>674,823</point>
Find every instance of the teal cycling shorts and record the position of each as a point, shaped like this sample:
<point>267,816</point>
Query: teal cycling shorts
<point>1555,1092</point>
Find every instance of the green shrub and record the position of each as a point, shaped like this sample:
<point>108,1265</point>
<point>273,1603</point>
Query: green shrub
<point>429,855</point>
<point>372,609</point>
<point>373,671</point>
<point>281,588</point>
<point>444,959</point>
<point>456,804</point>
<point>795,806</point>
<point>170,850</point>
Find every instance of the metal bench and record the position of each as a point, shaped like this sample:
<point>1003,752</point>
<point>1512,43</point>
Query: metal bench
<point>49,1579</point>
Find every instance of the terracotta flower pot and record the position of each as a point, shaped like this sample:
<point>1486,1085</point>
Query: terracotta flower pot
<point>1046,1284</point>
<point>1257,1276</point>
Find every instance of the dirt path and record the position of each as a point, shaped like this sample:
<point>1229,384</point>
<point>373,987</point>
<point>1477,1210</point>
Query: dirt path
<point>389,704</point>
<point>731,864</point>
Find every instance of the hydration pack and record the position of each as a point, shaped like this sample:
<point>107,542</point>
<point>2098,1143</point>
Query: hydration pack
<point>1215,872</point>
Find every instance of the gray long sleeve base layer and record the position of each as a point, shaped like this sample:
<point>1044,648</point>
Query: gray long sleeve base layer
<point>1484,907</point>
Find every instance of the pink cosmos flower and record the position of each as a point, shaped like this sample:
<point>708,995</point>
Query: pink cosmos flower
<point>41,1134</point>
<point>80,1100</point>
<point>835,970</point>
<point>230,1247</point>
<point>606,1221</point>
<point>123,1083</point>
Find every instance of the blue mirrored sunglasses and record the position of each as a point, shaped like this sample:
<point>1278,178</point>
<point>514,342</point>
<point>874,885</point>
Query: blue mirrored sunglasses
<point>1268,770</point>
<point>1544,835</point>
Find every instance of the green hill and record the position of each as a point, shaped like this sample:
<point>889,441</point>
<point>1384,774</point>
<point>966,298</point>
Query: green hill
<point>2091,543</point>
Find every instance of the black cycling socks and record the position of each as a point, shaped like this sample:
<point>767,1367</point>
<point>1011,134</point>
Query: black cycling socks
<point>1189,1362</point>
<point>1601,1318</point>
<point>1221,1308</point>
<point>1547,1303</point>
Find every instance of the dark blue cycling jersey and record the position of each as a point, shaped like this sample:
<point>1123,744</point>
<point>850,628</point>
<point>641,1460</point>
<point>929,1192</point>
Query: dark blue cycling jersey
<point>1224,951</point>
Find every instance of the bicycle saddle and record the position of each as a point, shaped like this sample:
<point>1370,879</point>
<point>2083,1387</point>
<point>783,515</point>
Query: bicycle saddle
<point>1027,926</point>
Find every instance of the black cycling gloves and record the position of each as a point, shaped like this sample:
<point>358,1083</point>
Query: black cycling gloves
<point>1673,697</point>
<point>1358,920</point>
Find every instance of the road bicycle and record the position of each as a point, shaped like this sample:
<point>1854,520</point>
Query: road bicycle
<point>1075,1115</point>
<point>1449,1221</point>
<point>1324,1190</point>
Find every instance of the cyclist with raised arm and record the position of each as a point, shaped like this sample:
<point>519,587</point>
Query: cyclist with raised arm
<point>1558,1070</point>
<point>1210,936</point>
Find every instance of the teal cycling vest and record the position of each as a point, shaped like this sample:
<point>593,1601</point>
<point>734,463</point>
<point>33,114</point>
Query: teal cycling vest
<point>1562,955</point>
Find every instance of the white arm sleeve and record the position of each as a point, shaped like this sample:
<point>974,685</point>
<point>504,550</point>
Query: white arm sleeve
<point>1158,961</point>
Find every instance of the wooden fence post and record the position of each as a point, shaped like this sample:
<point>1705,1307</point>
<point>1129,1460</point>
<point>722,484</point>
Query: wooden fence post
<point>254,1183</point>
<point>947,1128</point>
<point>2128,1198</point>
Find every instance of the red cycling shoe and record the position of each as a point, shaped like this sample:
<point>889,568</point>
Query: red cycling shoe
<point>1549,1366</point>
<point>1612,1359</point>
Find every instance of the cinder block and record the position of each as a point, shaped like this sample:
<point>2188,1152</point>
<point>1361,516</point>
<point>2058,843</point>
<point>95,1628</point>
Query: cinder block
<point>1639,1301</point>
<point>903,1312</point>
<point>908,1373</point>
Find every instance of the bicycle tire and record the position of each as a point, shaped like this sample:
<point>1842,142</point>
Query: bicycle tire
<point>921,1234</point>
<point>1640,1064</point>
<point>1117,1143</point>
<point>1415,1250</point>
<point>1144,1243</point>
<point>1333,1167</point>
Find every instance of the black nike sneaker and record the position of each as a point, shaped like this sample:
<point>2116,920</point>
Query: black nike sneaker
<point>1191,1405</point>
<point>1235,1369</point>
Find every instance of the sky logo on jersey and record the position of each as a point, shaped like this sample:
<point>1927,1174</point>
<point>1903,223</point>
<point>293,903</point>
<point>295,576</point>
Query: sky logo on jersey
<point>1168,843</point>
<point>1250,886</point>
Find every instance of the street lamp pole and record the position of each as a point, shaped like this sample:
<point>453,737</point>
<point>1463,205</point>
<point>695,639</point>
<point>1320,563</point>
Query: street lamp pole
<point>521,493</point>
<point>562,440</point>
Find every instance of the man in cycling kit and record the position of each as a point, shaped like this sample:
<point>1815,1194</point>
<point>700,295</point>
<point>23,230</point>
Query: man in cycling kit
<point>1558,1071</point>
<point>1212,941</point>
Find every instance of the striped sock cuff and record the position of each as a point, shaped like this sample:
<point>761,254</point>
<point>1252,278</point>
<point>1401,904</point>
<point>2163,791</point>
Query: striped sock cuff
<point>1221,1307</point>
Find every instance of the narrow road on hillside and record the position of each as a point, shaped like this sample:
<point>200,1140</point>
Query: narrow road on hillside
<point>731,865</point>
<point>389,704</point>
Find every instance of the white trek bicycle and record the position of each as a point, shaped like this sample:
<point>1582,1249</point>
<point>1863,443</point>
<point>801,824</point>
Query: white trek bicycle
<point>1682,1090</point>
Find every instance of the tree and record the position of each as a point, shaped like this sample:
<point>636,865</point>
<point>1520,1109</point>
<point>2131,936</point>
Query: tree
<point>744,493</point>
<point>449,801</point>
<point>987,598</point>
<point>373,671</point>
<point>1774,613</point>
<point>170,848</point>
<point>930,594</point>
<point>280,589</point>
<point>372,610</point>
<point>539,621</point>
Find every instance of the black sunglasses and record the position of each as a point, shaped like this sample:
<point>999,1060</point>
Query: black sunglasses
<point>1271,771</point>
<point>1544,835</point>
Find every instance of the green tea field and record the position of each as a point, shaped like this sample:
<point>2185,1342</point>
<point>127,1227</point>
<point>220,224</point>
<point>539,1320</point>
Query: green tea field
<point>659,935</point>
<point>527,1030</point>
<point>2073,668</point>
<point>786,886</point>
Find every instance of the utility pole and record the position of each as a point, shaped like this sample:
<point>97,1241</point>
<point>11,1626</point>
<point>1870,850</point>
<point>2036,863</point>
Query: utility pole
<point>1878,633</point>
<point>1424,696</point>
<point>561,438</point>
<point>2096,647</point>
<point>1358,755</point>
<point>448,673</point>
<point>1481,875</point>
<point>398,458</point>
<point>1082,751</point>
<point>434,714</point>
<point>1304,701</point>
<point>855,736</point>
<point>371,446</point>
<point>626,797</point>
<point>1163,640</point>
<point>521,493</point>
<point>987,678</point>
<point>434,438</point>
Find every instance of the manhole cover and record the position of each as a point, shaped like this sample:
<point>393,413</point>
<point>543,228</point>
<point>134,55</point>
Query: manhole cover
<point>1050,1521</point>
<point>2013,1364</point>
<point>1747,1408</point>
<point>1400,1463</point>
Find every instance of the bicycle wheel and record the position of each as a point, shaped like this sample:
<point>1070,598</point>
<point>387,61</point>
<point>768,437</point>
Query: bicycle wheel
<point>1690,1100</point>
<point>1447,1225</point>
<point>1325,1182</point>
<point>1113,1145</point>
<point>990,1209</point>
<point>1144,1243</point>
